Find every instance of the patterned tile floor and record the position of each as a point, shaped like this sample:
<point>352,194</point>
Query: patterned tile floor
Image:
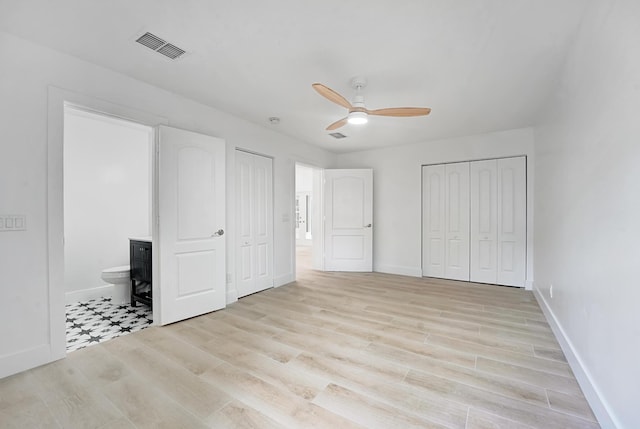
<point>98,320</point>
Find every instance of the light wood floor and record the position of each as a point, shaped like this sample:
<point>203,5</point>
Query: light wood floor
<point>333,350</point>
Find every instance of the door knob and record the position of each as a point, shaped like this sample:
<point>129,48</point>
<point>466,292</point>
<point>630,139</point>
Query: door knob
<point>368,225</point>
<point>218,233</point>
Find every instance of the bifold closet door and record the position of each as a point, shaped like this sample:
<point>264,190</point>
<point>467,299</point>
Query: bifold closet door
<point>457,221</point>
<point>484,221</point>
<point>474,221</point>
<point>433,228</point>
<point>446,221</point>
<point>511,221</point>
<point>498,221</point>
<point>254,214</point>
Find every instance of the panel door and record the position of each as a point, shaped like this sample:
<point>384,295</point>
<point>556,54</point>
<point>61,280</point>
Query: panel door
<point>433,223</point>
<point>484,221</point>
<point>511,221</point>
<point>457,221</point>
<point>349,220</point>
<point>254,209</point>
<point>191,206</point>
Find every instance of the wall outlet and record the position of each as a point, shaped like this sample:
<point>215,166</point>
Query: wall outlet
<point>551,291</point>
<point>228,277</point>
<point>13,222</point>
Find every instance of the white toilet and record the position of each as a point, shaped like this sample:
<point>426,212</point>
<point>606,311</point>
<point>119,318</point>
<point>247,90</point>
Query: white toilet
<point>119,278</point>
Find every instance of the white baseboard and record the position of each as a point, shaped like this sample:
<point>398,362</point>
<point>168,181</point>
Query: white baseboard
<point>26,359</point>
<point>398,270</point>
<point>284,279</point>
<point>598,404</point>
<point>528,285</point>
<point>88,294</point>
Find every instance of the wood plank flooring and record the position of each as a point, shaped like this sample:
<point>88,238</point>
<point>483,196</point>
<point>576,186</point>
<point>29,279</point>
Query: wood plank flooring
<point>333,350</point>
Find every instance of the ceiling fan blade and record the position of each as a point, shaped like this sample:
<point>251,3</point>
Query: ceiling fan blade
<point>337,124</point>
<point>331,95</point>
<point>401,111</point>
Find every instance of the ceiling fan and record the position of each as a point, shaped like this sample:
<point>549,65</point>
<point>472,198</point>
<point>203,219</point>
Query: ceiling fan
<point>358,114</point>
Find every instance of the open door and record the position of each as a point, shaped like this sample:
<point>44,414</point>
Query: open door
<point>191,240</point>
<point>349,220</point>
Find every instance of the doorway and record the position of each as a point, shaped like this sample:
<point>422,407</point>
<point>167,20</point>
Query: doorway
<point>107,192</point>
<point>308,218</point>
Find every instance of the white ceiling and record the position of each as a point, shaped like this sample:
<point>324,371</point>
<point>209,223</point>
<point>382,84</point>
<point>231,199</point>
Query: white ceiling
<point>481,65</point>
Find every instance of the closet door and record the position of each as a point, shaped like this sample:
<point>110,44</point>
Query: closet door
<point>254,211</point>
<point>484,221</point>
<point>511,221</point>
<point>457,221</point>
<point>433,225</point>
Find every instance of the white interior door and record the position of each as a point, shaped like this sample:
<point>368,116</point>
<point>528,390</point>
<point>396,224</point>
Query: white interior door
<point>348,207</point>
<point>191,208</point>
<point>254,209</point>
<point>484,221</point>
<point>512,221</point>
<point>433,226</point>
<point>457,221</point>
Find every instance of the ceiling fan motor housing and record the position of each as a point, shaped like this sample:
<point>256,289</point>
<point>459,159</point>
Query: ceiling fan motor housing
<point>358,113</point>
<point>358,104</point>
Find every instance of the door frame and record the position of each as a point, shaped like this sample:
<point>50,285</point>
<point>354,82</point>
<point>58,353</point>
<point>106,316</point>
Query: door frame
<point>57,100</point>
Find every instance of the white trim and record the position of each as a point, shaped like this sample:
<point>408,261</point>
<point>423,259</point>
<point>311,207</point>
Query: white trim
<point>598,403</point>
<point>26,359</point>
<point>232,294</point>
<point>88,294</point>
<point>284,279</point>
<point>398,270</point>
<point>528,284</point>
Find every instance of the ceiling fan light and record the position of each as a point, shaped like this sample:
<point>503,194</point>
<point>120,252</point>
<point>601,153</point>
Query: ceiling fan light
<point>358,118</point>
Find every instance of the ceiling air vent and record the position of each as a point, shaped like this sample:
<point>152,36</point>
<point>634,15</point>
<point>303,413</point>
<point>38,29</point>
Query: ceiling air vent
<point>161,46</point>
<point>337,135</point>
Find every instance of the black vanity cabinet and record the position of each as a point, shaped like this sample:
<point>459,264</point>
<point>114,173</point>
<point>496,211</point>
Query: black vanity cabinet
<point>140,262</point>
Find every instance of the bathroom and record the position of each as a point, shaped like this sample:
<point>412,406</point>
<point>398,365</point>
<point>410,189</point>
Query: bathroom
<point>107,201</point>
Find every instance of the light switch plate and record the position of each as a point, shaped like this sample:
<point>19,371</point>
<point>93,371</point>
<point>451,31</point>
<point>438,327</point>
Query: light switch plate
<point>13,223</point>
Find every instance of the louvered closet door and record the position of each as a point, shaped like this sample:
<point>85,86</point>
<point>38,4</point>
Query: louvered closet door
<point>433,229</point>
<point>511,221</point>
<point>484,221</point>
<point>457,221</point>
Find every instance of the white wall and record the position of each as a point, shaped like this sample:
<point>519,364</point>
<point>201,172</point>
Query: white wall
<point>397,191</point>
<point>304,178</point>
<point>27,74</point>
<point>587,205</point>
<point>107,197</point>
